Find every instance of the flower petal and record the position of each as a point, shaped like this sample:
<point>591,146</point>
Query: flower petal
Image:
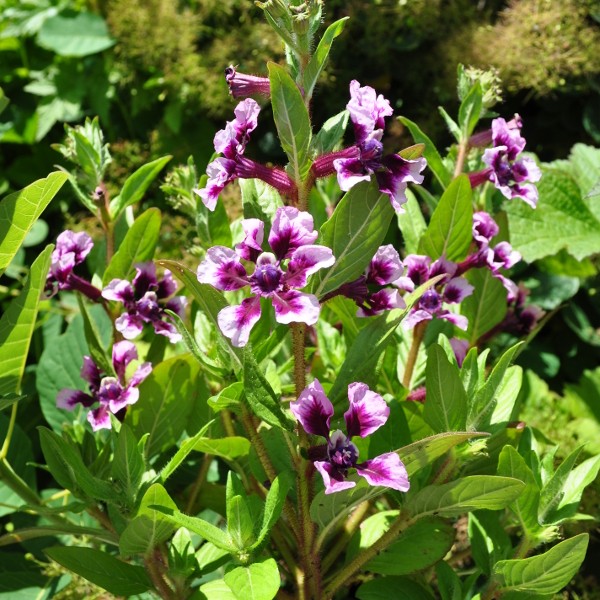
<point>367,110</point>
<point>350,171</point>
<point>119,290</point>
<point>222,269</point>
<point>168,330</point>
<point>397,174</point>
<point>130,395</point>
<point>381,301</point>
<point>140,374</point>
<point>69,399</point>
<point>220,171</point>
<point>306,261</point>
<point>456,290</point>
<point>90,372</point>
<point>99,418</point>
<point>386,470</point>
<point>332,478</point>
<point>368,410</point>
<point>129,326</point>
<point>296,307</point>
<point>122,354</point>
<point>145,278</point>
<point>291,229</point>
<point>251,246</point>
<point>313,410</point>
<point>385,266</point>
<point>236,322</point>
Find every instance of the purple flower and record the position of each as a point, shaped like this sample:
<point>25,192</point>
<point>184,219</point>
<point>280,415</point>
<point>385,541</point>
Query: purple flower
<point>145,300</point>
<point>242,85</point>
<point>365,158</point>
<point>508,174</point>
<point>231,143</point>
<point>112,394</point>
<point>71,250</point>
<point>450,289</point>
<point>368,411</point>
<point>277,275</point>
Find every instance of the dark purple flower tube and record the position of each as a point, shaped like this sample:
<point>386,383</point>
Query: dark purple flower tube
<point>242,85</point>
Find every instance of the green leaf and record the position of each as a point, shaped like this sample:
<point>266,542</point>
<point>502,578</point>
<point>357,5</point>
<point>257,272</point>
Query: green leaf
<point>577,480</point>
<point>128,466</point>
<point>240,525</point>
<point>319,58</point>
<point>259,200</point>
<point>421,454</point>
<point>585,161</point>
<point>407,554</point>
<point>546,573</point>
<point>470,110</point>
<point>384,588</point>
<point>434,160</point>
<point>4,101</point>
<point>7,400</point>
<point>201,527</point>
<point>451,124</point>
<point>354,233</point>
<point>561,220</point>
<point>274,502</point>
<point>19,211</point>
<point>229,448</point>
<point>259,581</point>
<point>216,589</point>
<point>108,572</point>
<point>92,337</point>
<point>331,134</point>
<point>17,324</point>
<point>136,185</point>
<point>137,246</point>
<point>149,527</point>
<point>167,398</point>
<point>291,119</point>
<point>446,406</point>
<point>512,464</point>
<point>261,397</point>
<point>411,223</point>
<point>449,231</point>
<point>489,540</point>
<point>227,397</point>
<point>486,306</point>
<point>464,495</point>
<point>483,405</point>
<point>182,558</point>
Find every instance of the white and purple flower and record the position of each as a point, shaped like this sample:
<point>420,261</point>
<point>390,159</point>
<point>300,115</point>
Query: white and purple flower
<point>145,300</point>
<point>71,250</point>
<point>242,85</point>
<point>278,275</point>
<point>110,391</point>
<point>231,143</point>
<point>357,163</point>
<point>451,289</point>
<point>508,174</point>
<point>368,411</point>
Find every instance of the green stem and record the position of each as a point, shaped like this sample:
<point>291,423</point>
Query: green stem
<point>411,361</point>
<point>463,150</point>
<point>9,432</point>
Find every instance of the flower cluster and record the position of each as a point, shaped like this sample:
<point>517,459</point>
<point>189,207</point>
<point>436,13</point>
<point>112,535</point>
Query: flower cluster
<point>145,300</point>
<point>231,143</point>
<point>357,163</point>
<point>278,274</point>
<point>110,391</point>
<point>508,174</point>
<point>368,411</point>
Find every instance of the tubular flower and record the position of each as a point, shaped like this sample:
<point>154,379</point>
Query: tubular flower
<point>71,250</point>
<point>111,393</point>
<point>449,290</point>
<point>368,411</point>
<point>231,143</point>
<point>367,113</point>
<point>277,275</point>
<point>508,174</point>
<point>242,85</point>
<point>145,300</point>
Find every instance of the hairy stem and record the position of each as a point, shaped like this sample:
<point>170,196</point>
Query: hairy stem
<point>463,150</point>
<point>153,565</point>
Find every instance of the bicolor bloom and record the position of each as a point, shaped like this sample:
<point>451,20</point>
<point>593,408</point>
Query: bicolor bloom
<point>242,85</point>
<point>370,291</point>
<point>450,289</point>
<point>509,175</point>
<point>368,411</point>
<point>111,392</point>
<point>231,143</point>
<point>71,250</point>
<point>357,163</point>
<point>145,300</point>
<point>277,275</point>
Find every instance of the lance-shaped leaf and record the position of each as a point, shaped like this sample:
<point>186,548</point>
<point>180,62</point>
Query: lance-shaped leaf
<point>331,133</point>
<point>464,495</point>
<point>259,581</point>
<point>446,406</point>
<point>128,464</point>
<point>136,184</point>
<point>110,573</point>
<point>546,573</point>
<point>17,323</point>
<point>261,398</point>
<point>354,233</point>
<point>19,211</point>
<point>229,448</point>
<point>578,479</point>
<point>92,337</point>
<point>470,110</point>
<point>434,160</point>
<point>291,119</point>
<point>319,58</point>
<point>273,505</point>
<point>149,527</point>
<point>411,223</point>
<point>240,522</point>
<point>137,246</point>
<point>406,588</point>
<point>449,231</point>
